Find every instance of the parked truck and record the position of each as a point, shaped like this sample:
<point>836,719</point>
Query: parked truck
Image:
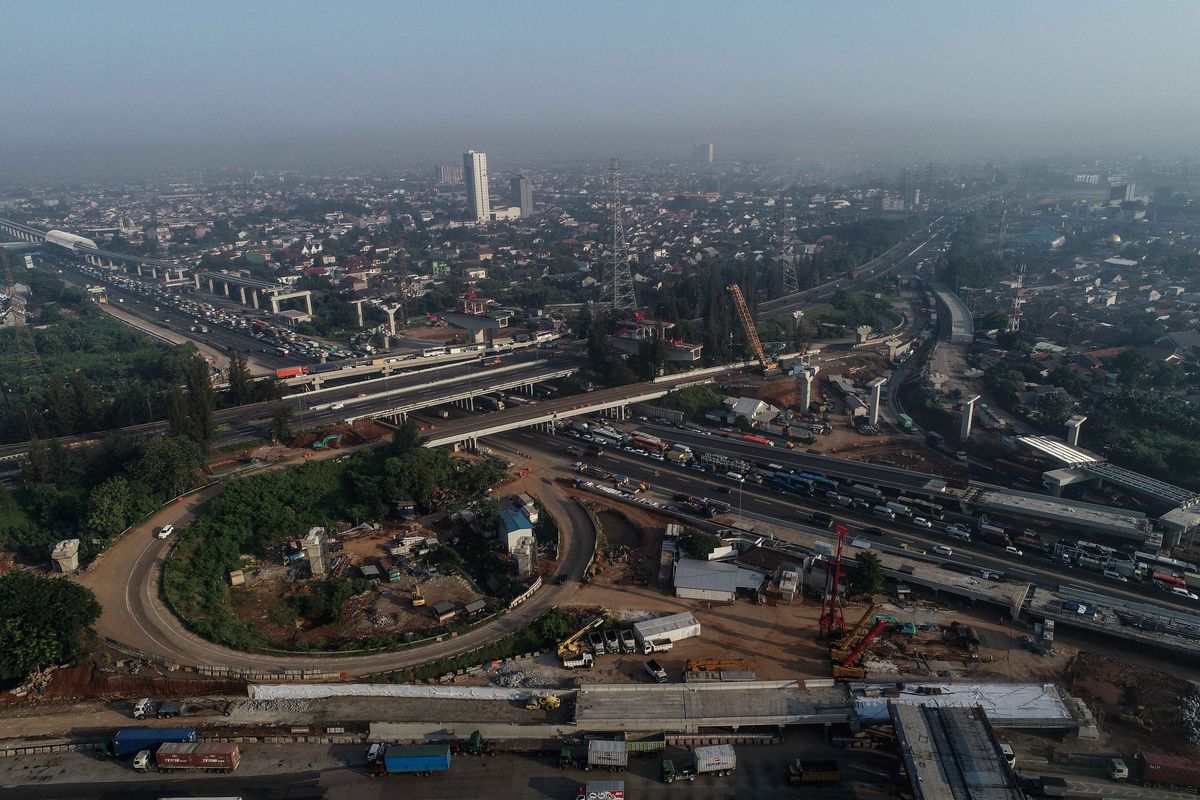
<point>1156,769</point>
<point>628,643</point>
<point>424,759</point>
<point>656,671</point>
<point>717,759</point>
<point>192,756</point>
<point>813,773</point>
<point>607,754</point>
<point>602,790</point>
<point>656,646</point>
<point>128,741</point>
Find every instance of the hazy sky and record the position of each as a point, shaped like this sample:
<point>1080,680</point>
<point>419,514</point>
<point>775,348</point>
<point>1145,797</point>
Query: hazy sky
<point>255,82</point>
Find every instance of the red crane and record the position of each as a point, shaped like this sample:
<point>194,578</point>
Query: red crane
<point>832,621</point>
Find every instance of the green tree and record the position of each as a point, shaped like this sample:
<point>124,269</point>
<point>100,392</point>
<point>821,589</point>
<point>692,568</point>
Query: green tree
<point>1052,410</point>
<point>868,574</point>
<point>406,437</point>
<point>110,507</point>
<point>698,544</point>
<point>241,382</point>
<point>281,423</point>
<point>170,465</point>
<point>41,622</point>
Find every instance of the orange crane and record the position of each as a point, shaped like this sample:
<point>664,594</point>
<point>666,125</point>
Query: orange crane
<point>851,640</point>
<point>833,621</point>
<point>739,302</point>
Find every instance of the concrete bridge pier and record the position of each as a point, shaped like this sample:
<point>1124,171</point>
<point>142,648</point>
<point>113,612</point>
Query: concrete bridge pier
<point>242,294</point>
<point>254,298</point>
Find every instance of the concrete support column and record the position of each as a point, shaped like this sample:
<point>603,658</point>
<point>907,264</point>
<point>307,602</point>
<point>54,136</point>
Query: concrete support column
<point>876,387</point>
<point>154,272</point>
<point>242,294</point>
<point>225,287</point>
<point>139,269</point>
<point>805,379</point>
<point>308,303</point>
<point>1073,426</point>
<point>211,288</point>
<point>968,418</point>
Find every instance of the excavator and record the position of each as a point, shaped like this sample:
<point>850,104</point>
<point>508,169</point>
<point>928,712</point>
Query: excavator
<point>571,649</point>
<point>769,366</point>
<point>418,599</point>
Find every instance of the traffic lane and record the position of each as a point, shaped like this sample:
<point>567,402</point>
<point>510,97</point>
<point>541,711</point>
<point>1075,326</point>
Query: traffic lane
<point>410,371</point>
<point>782,507</point>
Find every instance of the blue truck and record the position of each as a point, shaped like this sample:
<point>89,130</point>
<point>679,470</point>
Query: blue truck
<point>132,740</point>
<point>424,759</point>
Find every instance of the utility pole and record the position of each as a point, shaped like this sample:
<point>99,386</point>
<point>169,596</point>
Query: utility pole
<point>617,289</point>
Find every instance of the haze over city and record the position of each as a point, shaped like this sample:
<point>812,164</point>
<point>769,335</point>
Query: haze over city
<point>137,85</point>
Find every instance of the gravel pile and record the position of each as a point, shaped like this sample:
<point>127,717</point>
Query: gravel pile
<point>274,705</point>
<point>510,676</point>
<point>1189,715</point>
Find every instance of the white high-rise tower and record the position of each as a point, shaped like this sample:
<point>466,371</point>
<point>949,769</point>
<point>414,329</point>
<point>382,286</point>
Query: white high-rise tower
<point>475,174</point>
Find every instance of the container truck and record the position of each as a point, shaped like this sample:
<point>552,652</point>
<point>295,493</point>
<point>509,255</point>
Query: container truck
<point>901,510</point>
<point>1156,769</point>
<point>132,740</point>
<point>425,759</point>
<point>607,754</point>
<point>867,492</point>
<point>198,757</point>
<point>717,759</point>
<point>602,790</point>
<point>813,773</point>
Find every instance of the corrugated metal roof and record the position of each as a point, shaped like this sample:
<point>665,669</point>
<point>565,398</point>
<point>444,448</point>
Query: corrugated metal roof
<point>653,628</point>
<point>514,520</point>
<point>713,576</point>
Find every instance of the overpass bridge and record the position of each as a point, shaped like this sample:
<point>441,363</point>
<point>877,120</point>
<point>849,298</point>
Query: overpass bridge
<point>172,272</point>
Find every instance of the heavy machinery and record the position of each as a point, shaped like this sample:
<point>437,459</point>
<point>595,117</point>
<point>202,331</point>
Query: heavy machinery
<point>844,647</point>
<point>769,367</point>
<point>571,649</point>
<point>418,599</point>
<point>832,621</point>
<point>476,746</point>
<point>330,441</point>
<point>714,664</point>
<point>543,702</point>
<point>848,667</point>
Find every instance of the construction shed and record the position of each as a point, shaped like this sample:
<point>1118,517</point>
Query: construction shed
<point>715,581</point>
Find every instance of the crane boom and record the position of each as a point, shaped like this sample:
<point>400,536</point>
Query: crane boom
<point>832,621</point>
<point>570,645</point>
<point>743,311</point>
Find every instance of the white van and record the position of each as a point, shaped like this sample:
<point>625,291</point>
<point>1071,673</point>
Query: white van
<point>884,511</point>
<point>736,476</point>
<point>1009,755</point>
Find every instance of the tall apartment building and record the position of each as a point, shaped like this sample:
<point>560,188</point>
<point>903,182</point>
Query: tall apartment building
<point>704,153</point>
<point>522,195</point>
<point>476,176</point>
<point>448,173</point>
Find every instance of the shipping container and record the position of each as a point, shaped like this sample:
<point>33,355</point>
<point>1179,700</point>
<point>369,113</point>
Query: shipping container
<point>1156,769</point>
<point>714,758</point>
<point>602,790</point>
<point>414,760</point>
<point>130,740</point>
<point>607,754</point>
<point>290,372</point>
<point>670,628</point>
<point>207,756</point>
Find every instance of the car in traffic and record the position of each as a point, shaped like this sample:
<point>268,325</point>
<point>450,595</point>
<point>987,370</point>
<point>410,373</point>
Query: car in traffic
<point>1116,576</point>
<point>921,522</point>
<point>943,550</point>
<point>1179,591</point>
<point>165,531</point>
<point>1016,551</point>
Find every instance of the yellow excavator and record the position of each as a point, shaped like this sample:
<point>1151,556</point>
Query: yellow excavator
<point>571,649</point>
<point>418,599</point>
<point>769,367</point>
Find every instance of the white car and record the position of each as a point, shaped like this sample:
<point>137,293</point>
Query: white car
<point>943,550</point>
<point>921,522</point>
<point>164,531</point>
<point>1116,576</point>
<point>1179,591</point>
<point>1015,551</point>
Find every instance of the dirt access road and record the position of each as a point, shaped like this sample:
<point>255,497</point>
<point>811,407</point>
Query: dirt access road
<point>126,580</point>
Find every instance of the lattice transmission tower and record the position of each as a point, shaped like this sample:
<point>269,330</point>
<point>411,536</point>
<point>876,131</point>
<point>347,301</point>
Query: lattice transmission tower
<point>617,288</point>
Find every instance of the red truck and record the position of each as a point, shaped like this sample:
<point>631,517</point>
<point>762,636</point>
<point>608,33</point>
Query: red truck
<point>194,756</point>
<point>1156,769</point>
<point>290,372</point>
<point>756,439</point>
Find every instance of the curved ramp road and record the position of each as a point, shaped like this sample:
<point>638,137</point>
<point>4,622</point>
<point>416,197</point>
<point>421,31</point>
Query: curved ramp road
<point>126,581</point>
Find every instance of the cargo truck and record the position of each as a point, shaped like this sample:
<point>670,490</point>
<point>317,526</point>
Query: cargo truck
<point>813,773</point>
<point>197,757</point>
<point>425,759</point>
<point>628,643</point>
<point>867,492</point>
<point>717,759</point>
<point>1156,769</point>
<point>132,740</point>
<point>992,534</point>
<point>602,790</point>
<point>607,754</point>
<point>656,646</point>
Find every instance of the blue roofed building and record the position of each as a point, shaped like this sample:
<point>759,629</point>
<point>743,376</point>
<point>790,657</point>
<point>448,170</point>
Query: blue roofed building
<point>513,527</point>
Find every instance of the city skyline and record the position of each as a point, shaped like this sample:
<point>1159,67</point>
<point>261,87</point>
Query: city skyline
<point>927,80</point>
